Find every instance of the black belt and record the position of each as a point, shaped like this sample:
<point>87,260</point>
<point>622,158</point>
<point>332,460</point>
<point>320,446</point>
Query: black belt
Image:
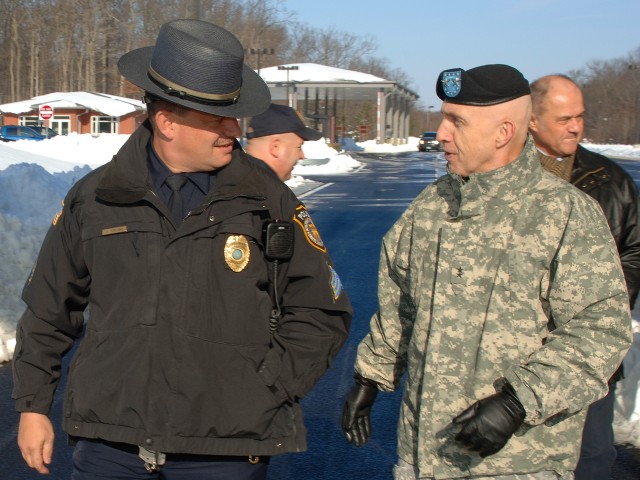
<point>127,447</point>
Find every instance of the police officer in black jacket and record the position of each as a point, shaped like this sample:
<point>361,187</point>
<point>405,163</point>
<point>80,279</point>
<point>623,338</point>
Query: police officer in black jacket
<point>557,126</point>
<point>213,305</point>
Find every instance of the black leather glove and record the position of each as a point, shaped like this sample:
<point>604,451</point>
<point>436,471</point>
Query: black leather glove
<point>488,424</point>
<point>356,413</point>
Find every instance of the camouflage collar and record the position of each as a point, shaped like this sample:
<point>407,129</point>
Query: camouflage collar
<point>507,183</point>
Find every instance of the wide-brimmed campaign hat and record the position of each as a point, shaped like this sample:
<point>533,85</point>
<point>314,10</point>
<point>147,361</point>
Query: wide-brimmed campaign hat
<point>198,65</point>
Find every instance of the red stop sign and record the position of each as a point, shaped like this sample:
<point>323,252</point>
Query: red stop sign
<point>46,112</point>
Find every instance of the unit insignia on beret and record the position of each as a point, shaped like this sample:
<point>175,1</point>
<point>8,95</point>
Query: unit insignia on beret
<point>452,82</point>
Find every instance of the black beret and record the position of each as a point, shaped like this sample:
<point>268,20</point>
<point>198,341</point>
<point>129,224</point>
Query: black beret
<point>484,85</point>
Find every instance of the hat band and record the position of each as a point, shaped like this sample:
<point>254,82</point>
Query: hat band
<point>174,89</point>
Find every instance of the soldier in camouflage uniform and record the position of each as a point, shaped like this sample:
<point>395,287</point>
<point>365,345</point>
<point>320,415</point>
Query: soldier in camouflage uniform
<point>501,297</point>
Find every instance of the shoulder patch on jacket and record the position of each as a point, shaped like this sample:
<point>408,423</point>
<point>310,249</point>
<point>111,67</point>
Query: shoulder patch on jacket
<point>302,218</point>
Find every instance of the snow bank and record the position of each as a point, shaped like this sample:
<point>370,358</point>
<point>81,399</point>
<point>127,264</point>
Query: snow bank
<point>626,420</point>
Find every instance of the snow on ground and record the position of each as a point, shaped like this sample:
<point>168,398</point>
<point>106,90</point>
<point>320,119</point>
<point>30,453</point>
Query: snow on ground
<point>626,420</point>
<point>65,152</point>
<point>625,151</point>
<point>62,153</point>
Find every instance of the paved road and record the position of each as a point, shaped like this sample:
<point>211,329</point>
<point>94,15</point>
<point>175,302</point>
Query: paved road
<point>352,212</point>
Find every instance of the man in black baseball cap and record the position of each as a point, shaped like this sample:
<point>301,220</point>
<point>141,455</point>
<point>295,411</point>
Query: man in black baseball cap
<point>502,302</point>
<point>276,137</point>
<point>182,373</point>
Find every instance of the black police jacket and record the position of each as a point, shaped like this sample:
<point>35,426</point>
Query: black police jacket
<point>177,353</point>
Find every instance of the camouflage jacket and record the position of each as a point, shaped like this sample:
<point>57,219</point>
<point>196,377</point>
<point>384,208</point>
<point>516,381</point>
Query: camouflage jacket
<point>510,276</point>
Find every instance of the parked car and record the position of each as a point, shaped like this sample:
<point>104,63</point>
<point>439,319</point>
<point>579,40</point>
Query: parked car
<point>428,142</point>
<point>11,133</point>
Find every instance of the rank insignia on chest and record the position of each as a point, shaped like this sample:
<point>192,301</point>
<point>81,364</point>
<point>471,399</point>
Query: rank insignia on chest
<point>236,252</point>
<point>302,218</point>
<point>458,275</point>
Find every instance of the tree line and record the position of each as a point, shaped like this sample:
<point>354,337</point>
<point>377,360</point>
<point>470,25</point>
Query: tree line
<point>611,91</point>
<point>612,98</point>
<point>74,45</point>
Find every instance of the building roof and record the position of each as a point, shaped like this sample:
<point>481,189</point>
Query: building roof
<point>334,82</point>
<point>110,105</point>
<point>313,72</point>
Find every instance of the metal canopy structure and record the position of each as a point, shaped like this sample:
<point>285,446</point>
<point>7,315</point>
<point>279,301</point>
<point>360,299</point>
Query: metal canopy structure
<point>321,87</point>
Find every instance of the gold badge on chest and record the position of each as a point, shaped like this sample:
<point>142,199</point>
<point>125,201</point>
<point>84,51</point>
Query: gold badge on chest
<point>236,252</point>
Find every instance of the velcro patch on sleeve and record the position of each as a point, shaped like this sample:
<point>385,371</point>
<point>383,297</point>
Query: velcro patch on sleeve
<point>336,283</point>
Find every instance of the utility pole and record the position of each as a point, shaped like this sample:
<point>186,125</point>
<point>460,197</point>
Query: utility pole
<point>288,69</point>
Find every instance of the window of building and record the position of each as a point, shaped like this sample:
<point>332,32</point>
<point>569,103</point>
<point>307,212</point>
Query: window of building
<point>61,124</point>
<point>104,125</point>
<point>29,121</point>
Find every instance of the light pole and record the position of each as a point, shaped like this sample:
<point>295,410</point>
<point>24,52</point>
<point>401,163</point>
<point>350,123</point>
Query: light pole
<point>429,117</point>
<point>259,52</point>
<point>288,69</point>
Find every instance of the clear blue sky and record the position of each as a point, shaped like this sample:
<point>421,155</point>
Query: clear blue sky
<point>424,37</point>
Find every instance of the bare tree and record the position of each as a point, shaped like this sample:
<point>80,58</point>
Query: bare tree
<point>67,45</point>
<point>612,98</point>
<point>327,47</point>
<point>15,59</point>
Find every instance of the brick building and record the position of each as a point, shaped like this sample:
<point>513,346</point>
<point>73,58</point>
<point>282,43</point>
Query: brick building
<point>80,112</point>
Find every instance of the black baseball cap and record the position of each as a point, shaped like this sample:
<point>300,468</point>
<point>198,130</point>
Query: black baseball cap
<point>280,119</point>
<point>482,86</point>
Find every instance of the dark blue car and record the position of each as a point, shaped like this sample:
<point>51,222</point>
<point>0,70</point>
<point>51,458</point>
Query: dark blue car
<point>11,133</point>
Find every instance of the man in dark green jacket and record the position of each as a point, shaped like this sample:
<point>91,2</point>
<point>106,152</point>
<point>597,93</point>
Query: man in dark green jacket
<point>213,304</point>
